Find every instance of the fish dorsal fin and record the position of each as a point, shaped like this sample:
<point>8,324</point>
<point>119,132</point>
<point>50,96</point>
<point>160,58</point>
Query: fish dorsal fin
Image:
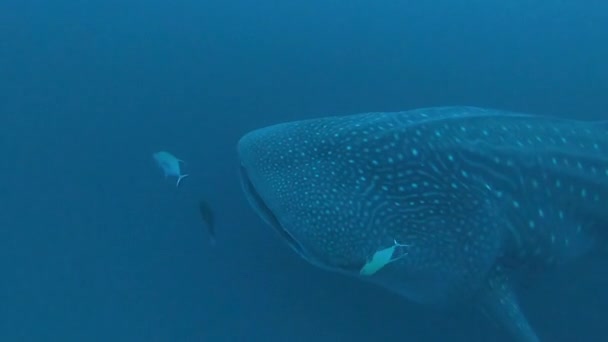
<point>498,301</point>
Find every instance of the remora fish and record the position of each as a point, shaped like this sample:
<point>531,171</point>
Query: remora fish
<point>170,165</point>
<point>473,196</point>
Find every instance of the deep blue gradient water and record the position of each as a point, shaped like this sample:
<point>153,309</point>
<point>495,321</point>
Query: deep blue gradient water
<point>95,245</point>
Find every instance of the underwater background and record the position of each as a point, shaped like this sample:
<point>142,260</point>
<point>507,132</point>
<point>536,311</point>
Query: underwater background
<point>96,245</point>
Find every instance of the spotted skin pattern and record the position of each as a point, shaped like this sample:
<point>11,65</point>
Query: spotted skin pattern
<point>477,195</point>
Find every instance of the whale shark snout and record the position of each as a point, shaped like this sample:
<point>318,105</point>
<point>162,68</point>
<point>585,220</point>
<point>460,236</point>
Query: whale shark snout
<point>274,182</point>
<point>259,204</point>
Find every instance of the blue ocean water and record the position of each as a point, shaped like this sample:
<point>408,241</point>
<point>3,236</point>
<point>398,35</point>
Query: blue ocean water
<point>96,245</point>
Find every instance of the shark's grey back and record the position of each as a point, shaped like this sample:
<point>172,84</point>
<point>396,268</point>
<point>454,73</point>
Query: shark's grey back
<point>548,177</point>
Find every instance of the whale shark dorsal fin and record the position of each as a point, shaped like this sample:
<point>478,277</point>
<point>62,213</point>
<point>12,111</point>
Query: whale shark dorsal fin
<point>179,179</point>
<point>499,302</point>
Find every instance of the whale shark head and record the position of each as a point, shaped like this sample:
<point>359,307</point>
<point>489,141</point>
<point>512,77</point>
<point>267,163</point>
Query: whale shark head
<point>290,175</point>
<point>343,190</point>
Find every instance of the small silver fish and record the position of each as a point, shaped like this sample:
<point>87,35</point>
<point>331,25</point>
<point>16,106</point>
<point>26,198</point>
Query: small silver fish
<point>170,165</point>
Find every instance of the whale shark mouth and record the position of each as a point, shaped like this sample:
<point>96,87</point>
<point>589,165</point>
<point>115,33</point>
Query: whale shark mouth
<point>258,203</point>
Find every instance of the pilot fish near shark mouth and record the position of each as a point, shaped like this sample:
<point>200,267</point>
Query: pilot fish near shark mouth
<point>436,204</point>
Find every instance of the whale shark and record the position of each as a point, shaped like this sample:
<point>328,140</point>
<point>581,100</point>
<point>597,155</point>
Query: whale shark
<point>441,205</point>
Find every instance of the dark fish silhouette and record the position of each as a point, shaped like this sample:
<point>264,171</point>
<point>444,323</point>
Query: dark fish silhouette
<point>208,218</point>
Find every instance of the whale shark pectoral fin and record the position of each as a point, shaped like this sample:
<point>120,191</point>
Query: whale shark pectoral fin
<point>499,302</point>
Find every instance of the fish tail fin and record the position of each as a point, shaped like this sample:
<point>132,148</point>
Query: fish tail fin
<point>179,179</point>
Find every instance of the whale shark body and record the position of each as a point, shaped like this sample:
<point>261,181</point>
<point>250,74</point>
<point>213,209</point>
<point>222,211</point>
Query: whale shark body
<point>474,197</point>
